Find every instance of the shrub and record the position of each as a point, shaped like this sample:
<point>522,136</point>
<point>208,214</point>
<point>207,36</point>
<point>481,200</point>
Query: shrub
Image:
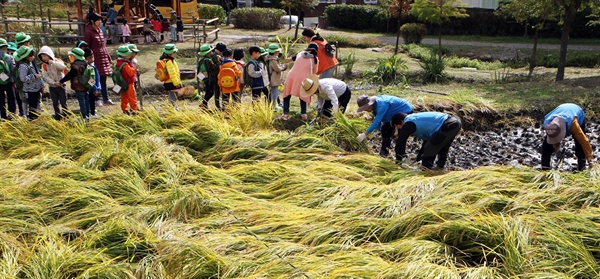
<point>355,16</point>
<point>348,65</point>
<point>256,18</point>
<point>349,41</point>
<point>413,33</point>
<point>433,67</point>
<point>387,70</point>
<point>208,11</point>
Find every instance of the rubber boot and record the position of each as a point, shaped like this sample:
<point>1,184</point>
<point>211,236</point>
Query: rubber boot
<point>385,147</point>
<point>581,164</point>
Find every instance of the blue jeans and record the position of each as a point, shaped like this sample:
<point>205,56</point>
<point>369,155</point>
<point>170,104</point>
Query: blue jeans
<point>84,103</point>
<point>173,33</point>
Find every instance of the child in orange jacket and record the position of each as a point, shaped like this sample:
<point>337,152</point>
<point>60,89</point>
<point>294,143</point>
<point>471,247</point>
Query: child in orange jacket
<point>129,74</point>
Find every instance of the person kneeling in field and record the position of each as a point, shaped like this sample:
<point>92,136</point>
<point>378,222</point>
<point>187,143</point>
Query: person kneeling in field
<point>564,120</point>
<point>436,129</point>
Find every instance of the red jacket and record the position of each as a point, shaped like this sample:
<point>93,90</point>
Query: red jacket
<point>128,71</point>
<point>94,38</point>
<point>156,26</point>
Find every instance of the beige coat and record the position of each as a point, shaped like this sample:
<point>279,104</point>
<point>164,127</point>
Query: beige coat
<point>52,72</point>
<point>275,69</point>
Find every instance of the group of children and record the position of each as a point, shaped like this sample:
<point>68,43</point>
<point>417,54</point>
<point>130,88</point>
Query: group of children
<point>225,73</point>
<point>156,30</point>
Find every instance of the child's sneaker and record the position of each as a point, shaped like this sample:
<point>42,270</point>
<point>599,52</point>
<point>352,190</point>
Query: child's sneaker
<point>99,103</point>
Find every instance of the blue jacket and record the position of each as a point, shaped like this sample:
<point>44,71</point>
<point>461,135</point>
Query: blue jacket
<point>97,85</point>
<point>385,107</point>
<point>567,111</point>
<point>427,123</point>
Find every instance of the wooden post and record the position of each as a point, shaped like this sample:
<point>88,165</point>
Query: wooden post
<point>69,20</point>
<point>126,8</point>
<point>49,19</point>
<point>41,11</point>
<point>2,11</point>
<point>194,28</point>
<point>18,16</point>
<point>44,31</point>
<point>216,26</point>
<point>204,31</point>
<point>98,7</point>
<point>80,28</point>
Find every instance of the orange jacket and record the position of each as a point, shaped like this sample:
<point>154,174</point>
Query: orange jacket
<point>325,61</point>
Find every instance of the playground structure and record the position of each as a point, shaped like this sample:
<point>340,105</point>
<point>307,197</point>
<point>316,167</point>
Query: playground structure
<point>134,11</point>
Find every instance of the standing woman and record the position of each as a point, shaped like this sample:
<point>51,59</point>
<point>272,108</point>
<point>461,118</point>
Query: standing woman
<point>306,64</point>
<point>95,39</point>
<point>327,61</point>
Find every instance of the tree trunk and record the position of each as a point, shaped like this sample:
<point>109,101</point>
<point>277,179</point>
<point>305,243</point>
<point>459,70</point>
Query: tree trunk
<point>397,38</point>
<point>564,41</point>
<point>440,42</point>
<point>297,26</point>
<point>533,59</point>
<point>290,17</point>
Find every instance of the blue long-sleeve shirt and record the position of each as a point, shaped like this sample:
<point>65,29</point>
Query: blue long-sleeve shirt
<point>97,85</point>
<point>385,107</point>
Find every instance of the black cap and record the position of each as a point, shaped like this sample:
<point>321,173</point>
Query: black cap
<point>220,47</point>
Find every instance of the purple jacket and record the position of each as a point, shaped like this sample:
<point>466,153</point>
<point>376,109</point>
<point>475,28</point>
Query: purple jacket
<point>95,40</point>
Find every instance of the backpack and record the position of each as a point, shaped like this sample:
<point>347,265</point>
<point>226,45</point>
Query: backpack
<point>161,73</point>
<point>227,78</point>
<point>248,80</point>
<point>18,82</point>
<point>87,79</point>
<point>330,49</point>
<point>119,80</point>
<point>4,69</point>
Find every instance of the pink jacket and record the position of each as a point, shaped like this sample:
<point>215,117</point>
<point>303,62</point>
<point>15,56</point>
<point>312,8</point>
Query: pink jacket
<point>94,38</point>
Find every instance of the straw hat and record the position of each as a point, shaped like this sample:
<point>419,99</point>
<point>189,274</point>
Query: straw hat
<point>309,86</point>
<point>556,130</point>
<point>204,49</point>
<point>170,48</point>
<point>123,51</point>
<point>78,53</point>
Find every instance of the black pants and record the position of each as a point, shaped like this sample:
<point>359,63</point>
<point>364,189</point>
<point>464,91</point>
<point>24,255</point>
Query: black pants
<point>548,149</point>
<point>256,93</point>
<point>58,95</point>
<point>286,105</point>
<point>92,100</point>
<point>7,92</point>
<point>235,97</point>
<point>212,89</point>
<point>33,99</point>
<point>439,143</point>
<point>343,101</point>
<point>104,89</point>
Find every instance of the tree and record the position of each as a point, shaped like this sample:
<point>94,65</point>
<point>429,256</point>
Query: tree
<point>399,10</point>
<point>535,12</point>
<point>437,12</point>
<point>567,10</point>
<point>299,5</point>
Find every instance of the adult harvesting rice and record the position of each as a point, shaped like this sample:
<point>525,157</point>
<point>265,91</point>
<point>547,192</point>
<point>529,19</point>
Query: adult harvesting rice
<point>325,53</point>
<point>305,65</point>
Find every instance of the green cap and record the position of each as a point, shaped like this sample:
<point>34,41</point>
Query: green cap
<point>3,43</point>
<point>273,48</point>
<point>12,46</point>
<point>78,53</point>
<point>204,49</point>
<point>170,48</point>
<point>21,37</point>
<point>263,52</point>
<point>22,52</point>
<point>123,51</point>
<point>133,48</point>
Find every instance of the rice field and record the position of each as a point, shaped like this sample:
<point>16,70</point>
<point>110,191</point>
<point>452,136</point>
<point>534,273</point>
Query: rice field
<point>193,194</point>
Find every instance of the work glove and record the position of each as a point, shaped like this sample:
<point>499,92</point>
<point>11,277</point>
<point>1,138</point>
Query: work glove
<point>361,137</point>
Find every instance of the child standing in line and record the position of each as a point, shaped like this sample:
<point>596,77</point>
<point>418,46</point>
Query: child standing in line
<point>7,84</point>
<point>209,70</point>
<point>228,79</point>
<point>173,84</point>
<point>275,70</point>
<point>97,88</point>
<point>134,63</point>
<point>179,29</point>
<point>258,71</point>
<point>129,74</point>
<point>165,28</point>
<point>12,48</point>
<point>30,78</point>
<point>53,70</point>
<point>238,56</point>
<point>78,65</point>
<point>126,31</point>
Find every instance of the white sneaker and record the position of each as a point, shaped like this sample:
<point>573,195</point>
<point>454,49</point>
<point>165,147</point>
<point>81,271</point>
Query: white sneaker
<point>99,103</point>
<point>109,102</point>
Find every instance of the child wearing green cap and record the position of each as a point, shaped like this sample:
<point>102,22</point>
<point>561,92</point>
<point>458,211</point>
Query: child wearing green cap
<point>7,83</point>
<point>173,83</point>
<point>275,69</point>
<point>30,78</point>
<point>78,65</point>
<point>129,74</point>
<point>208,70</point>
